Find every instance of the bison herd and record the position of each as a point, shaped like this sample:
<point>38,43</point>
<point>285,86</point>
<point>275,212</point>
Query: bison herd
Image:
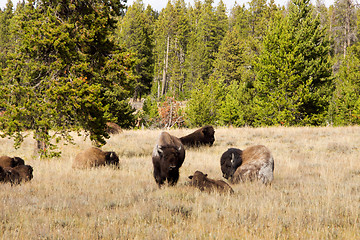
<point>253,163</point>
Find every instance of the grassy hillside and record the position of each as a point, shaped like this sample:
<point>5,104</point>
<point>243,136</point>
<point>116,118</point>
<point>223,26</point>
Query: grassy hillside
<point>315,193</point>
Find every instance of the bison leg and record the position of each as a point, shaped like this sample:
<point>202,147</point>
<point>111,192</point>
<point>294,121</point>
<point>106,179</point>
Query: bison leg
<point>157,175</point>
<point>173,177</point>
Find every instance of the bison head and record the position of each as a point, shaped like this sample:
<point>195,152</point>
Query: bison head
<point>111,158</point>
<point>208,132</point>
<point>17,161</point>
<point>169,157</point>
<point>198,180</point>
<point>230,161</point>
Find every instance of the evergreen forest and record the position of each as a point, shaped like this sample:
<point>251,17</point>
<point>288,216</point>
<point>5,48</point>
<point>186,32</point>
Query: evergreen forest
<point>73,65</point>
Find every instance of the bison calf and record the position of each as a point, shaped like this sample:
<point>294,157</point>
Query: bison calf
<point>167,157</point>
<point>202,136</point>
<point>202,182</point>
<point>255,162</point>
<point>8,162</point>
<point>94,157</point>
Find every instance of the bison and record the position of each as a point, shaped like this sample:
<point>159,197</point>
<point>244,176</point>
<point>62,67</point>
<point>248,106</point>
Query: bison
<point>16,175</point>
<point>25,172</point>
<point>202,182</point>
<point>167,157</point>
<point>202,136</point>
<point>113,128</point>
<point>10,162</point>
<point>94,157</point>
<point>255,162</point>
<point>7,175</point>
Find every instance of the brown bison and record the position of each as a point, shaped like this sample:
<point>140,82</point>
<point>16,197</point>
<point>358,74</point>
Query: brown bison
<point>16,175</point>
<point>202,182</point>
<point>255,162</point>
<point>202,136</point>
<point>9,176</point>
<point>113,128</point>
<point>10,162</point>
<point>167,157</point>
<point>25,172</point>
<point>94,157</point>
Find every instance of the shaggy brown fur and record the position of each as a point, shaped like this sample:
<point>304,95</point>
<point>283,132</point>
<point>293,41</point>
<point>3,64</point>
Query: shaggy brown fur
<point>10,162</point>
<point>202,182</point>
<point>25,172</point>
<point>113,128</point>
<point>94,157</point>
<point>167,157</point>
<point>202,136</point>
<point>8,175</point>
<point>255,162</point>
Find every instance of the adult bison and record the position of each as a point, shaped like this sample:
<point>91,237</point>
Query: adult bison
<point>255,162</point>
<point>202,182</point>
<point>16,175</point>
<point>167,157</point>
<point>202,136</point>
<point>10,162</point>
<point>9,176</point>
<point>94,157</point>
<point>25,172</point>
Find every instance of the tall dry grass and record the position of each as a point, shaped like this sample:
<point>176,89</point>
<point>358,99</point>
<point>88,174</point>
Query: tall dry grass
<point>315,193</point>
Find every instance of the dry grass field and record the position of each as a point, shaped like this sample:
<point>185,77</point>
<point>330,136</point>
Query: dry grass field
<point>315,193</point>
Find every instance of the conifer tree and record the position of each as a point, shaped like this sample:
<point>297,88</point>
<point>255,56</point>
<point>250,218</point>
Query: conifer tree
<point>205,101</point>
<point>171,39</point>
<point>65,73</point>
<point>136,34</point>
<point>293,72</point>
<point>345,104</point>
<point>236,109</point>
<point>6,44</point>
<point>208,29</point>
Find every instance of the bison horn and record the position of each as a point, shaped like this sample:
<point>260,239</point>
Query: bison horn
<point>159,149</point>
<point>179,148</point>
<point>232,159</point>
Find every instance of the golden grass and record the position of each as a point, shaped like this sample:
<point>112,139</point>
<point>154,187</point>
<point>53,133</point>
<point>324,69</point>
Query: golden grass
<point>315,193</point>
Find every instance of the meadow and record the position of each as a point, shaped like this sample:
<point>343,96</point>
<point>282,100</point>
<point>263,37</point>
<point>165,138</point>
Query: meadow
<point>315,193</point>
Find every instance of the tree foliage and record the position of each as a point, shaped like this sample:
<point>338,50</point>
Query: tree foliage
<point>65,73</point>
<point>293,72</point>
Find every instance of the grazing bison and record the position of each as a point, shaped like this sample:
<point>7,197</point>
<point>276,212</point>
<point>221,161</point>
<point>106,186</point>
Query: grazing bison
<point>255,162</point>
<point>167,157</point>
<point>201,181</point>
<point>7,175</point>
<point>8,162</point>
<point>94,157</point>
<point>16,175</point>
<point>25,172</point>
<point>202,136</point>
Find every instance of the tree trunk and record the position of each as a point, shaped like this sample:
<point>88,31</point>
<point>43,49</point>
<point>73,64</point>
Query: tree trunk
<point>164,82</point>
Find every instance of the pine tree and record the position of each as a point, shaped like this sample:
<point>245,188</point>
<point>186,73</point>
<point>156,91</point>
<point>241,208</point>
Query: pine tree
<point>205,101</point>
<point>208,30</point>
<point>345,104</point>
<point>65,73</point>
<point>136,34</point>
<point>236,109</point>
<point>6,44</point>
<point>172,30</point>
<point>293,72</point>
